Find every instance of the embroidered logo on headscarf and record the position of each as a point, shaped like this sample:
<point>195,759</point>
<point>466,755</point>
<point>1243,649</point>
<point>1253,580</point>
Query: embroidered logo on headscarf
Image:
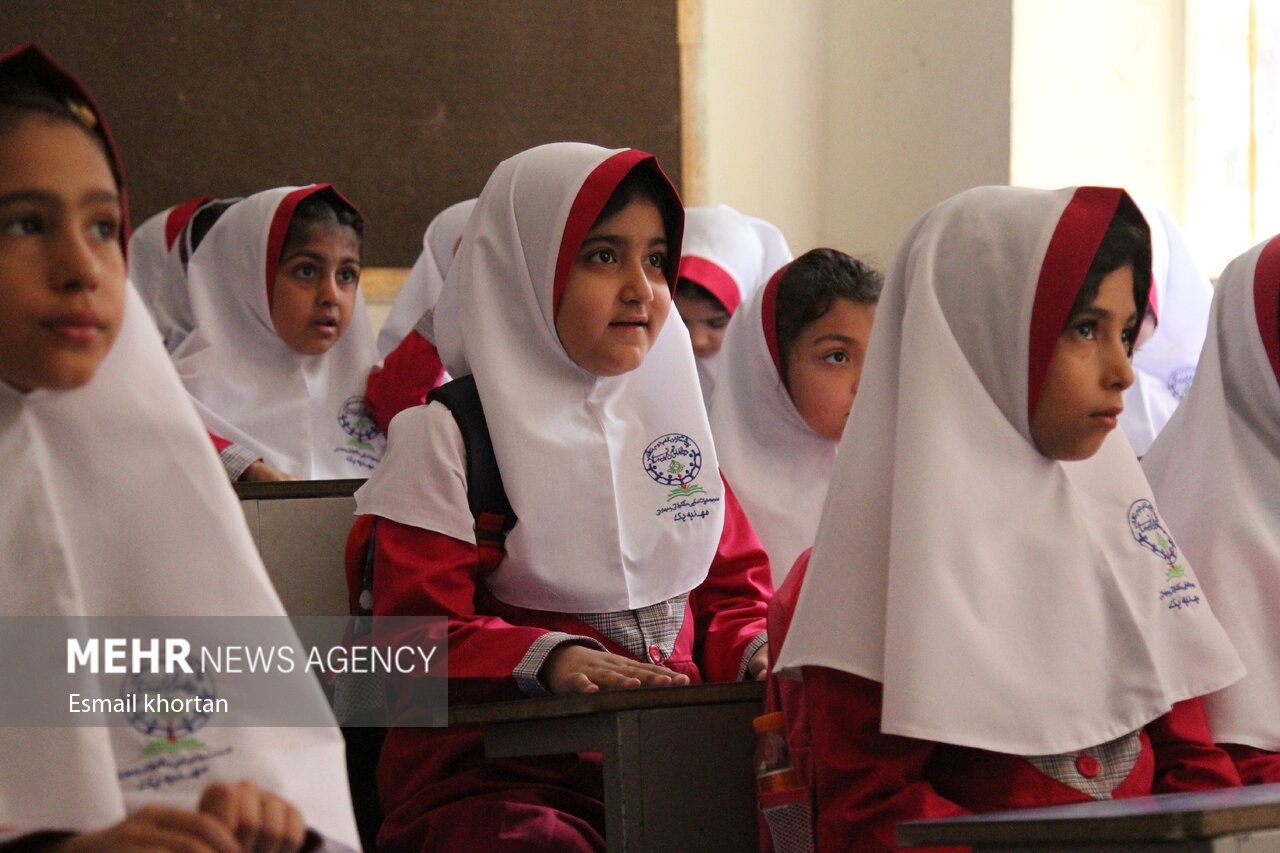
<point>1179,381</point>
<point>1144,524</point>
<point>356,422</point>
<point>674,460</point>
<point>171,707</point>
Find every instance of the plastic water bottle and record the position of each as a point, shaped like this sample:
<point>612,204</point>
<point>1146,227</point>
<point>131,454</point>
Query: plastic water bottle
<point>773,761</point>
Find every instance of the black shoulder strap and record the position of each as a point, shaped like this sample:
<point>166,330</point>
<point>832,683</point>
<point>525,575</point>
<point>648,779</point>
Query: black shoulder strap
<point>486,496</point>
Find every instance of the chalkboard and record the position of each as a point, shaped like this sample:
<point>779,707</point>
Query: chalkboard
<point>405,106</point>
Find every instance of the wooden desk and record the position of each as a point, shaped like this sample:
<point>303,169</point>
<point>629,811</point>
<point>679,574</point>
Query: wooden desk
<point>1239,820</point>
<point>300,528</point>
<point>677,760</point>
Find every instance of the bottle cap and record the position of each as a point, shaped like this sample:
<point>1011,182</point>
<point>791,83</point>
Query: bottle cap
<point>777,721</point>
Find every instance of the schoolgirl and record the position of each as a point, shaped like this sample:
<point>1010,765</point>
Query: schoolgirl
<point>792,359</point>
<point>115,506</point>
<point>280,362</point>
<point>422,286</point>
<point>157,271</point>
<point>727,257</point>
<point>994,617</point>
<point>631,563</point>
<point>1165,364</point>
<point>1215,470</point>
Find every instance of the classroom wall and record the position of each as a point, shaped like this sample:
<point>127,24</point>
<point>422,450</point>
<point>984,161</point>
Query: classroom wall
<point>763,88</point>
<point>918,109</point>
<point>406,106</point>
<point>844,120</point>
<point>1084,75</point>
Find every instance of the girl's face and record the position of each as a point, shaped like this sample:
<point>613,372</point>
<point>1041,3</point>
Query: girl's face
<point>616,297</point>
<point>315,288</point>
<point>824,365</point>
<point>706,320</point>
<point>1083,392</point>
<point>62,273</point>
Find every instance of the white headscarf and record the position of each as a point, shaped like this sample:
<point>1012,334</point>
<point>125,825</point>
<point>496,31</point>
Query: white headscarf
<point>732,256</point>
<point>778,465</point>
<point>1005,600</point>
<point>614,479</point>
<point>1216,471</point>
<point>1165,365</point>
<point>304,414</point>
<point>155,267</point>
<point>422,286</point>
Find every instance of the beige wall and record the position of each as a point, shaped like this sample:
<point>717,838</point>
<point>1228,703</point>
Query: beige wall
<point>843,120</point>
<point>1084,74</point>
<point>763,96</point>
<point>918,109</point>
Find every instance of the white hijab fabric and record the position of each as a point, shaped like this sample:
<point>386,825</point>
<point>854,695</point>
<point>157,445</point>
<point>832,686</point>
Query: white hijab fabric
<point>1216,471</point>
<point>155,267</point>
<point>421,288</point>
<point>1165,365</point>
<point>117,506</point>
<point>303,414</point>
<point>597,532</point>
<point>731,255</point>
<point>1005,600</point>
<point>778,465</point>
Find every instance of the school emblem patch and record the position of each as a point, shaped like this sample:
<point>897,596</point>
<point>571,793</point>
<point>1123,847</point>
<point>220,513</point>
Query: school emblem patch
<point>1145,525</point>
<point>171,708</point>
<point>674,460</point>
<point>356,422</point>
<point>1179,381</point>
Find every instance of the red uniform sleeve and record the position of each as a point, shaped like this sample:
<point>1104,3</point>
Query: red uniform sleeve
<point>866,782</point>
<point>1187,759</point>
<point>423,573</point>
<point>410,371</point>
<point>730,606</point>
<point>219,443</point>
<point>1256,766</point>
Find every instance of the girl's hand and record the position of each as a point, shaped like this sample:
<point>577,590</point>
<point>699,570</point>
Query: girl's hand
<point>261,821</point>
<point>578,669</point>
<point>151,829</point>
<point>261,472</point>
<point>758,666</point>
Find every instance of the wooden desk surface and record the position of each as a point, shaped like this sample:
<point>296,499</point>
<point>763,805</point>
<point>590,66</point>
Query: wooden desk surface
<point>293,489</point>
<point>580,704</point>
<point>1164,817</point>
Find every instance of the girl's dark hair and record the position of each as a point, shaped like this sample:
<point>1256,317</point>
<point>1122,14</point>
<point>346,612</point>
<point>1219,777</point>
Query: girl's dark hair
<point>689,289</point>
<point>203,220</point>
<point>322,206</point>
<point>1127,242</point>
<point>646,181</point>
<point>809,286</point>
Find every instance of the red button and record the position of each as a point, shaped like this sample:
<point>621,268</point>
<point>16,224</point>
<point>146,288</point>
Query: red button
<point>655,654</point>
<point>1087,765</point>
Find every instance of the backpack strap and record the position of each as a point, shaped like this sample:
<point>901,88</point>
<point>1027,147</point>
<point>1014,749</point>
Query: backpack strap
<point>486,496</point>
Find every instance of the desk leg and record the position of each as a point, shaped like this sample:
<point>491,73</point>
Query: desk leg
<point>624,785</point>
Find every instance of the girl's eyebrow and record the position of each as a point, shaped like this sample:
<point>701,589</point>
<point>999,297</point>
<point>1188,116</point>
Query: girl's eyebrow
<point>834,336</point>
<point>1095,312</point>
<point>319,258</point>
<point>619,240</point>
<point>41,197</point>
